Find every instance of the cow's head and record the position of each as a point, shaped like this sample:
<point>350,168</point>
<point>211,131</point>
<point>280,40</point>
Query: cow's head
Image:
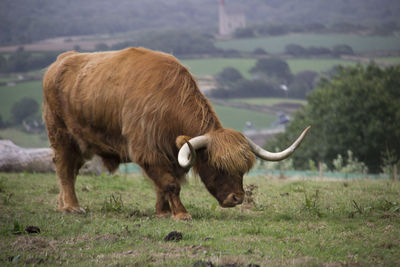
<point>222,157</point>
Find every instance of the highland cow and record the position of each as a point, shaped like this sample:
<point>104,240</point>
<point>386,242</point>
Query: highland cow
<point>142,106</point>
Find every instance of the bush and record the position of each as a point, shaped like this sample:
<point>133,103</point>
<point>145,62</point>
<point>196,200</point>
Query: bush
<point>259,51</point>
<point>23,109</point>
<point>295,50</point>
<point>244,33</point>
<point>342,49</point>
<point>273,68</point>
<point>349,165</point>
<point>354,110</point>
<point>228,76</point>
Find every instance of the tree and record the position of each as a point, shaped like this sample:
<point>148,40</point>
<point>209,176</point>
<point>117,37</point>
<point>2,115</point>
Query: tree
<point>259,52</point>
<point>244,33</point>
<point>273,68</point>
<point>23,109</point>
<point>295,50</point>
<point>342,49</point>
<point>303,83</point>
<point>356,110</point>
<point>228,76</point>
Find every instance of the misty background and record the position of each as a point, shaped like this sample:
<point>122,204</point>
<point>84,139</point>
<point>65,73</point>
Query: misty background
<point>268,67</point>
<point>25,21</point>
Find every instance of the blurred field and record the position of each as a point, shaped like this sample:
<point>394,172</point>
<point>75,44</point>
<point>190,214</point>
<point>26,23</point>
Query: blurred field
<point>11,94</point>
<point>236,118</point>
<point>212,66</point>
<point>360,44</point>
<point>269,101</point>
<point>284,223</point>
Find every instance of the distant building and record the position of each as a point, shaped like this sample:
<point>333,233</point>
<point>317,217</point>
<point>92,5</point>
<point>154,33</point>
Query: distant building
<point>229,23</point>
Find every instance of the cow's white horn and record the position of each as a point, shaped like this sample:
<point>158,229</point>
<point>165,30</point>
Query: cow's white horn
<point>185,158</point>
<point>266,155</point>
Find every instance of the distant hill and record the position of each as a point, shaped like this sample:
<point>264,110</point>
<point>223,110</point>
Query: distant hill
<point>25,21</point>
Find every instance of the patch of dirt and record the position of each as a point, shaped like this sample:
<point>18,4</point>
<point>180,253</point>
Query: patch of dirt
<point>301,261</point>
<point>108,237</point>
<point>33,244</point>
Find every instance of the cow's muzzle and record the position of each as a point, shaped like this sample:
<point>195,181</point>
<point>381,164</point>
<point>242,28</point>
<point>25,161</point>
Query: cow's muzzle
<point>232,200</point>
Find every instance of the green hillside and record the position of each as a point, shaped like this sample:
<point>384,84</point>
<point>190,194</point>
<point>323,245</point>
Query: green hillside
<point>276,44</point>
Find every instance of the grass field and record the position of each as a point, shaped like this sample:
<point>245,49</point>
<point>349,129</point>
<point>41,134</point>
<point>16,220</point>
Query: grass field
<point>24,139</point>
<point>388,60</point>
<point>360,44</point>
<point>285,223</point>
<point>212,66</point>
<point>11,94</point>
<point>231,117</point>
<point>236,118</point>
<point>269,101</point>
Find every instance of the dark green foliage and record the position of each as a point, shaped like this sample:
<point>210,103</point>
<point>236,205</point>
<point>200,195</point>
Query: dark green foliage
<point>273,68</point>
<point>260,51</point>
<point>248,88</point>
<point>244,33</point>
<point>26,21</point>
<point>2,123</point>
<point>174,41</point>
<point>24,108</point>
<point>342,50</point>
<point>295,50</point>
<point>302,84</point>
<point>23,61</point>
<point>356,110</point>
<point>300,51</point>
<point>228,76</point>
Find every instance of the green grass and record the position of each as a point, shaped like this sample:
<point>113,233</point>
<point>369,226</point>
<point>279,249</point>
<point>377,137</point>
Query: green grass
<point>11,94</point>
<point>317,65</point>
<point>300,222</point>
<point>212,66</point>
<point>24,139</point>
<point>388,60</point>
<point>269,101</point>
<point>236,118</point>
<point>360,44</point>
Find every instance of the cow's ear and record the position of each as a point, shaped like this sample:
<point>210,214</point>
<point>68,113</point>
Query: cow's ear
<point>181,140</point>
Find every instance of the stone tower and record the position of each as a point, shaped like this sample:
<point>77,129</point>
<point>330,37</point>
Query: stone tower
<point>229,23</point>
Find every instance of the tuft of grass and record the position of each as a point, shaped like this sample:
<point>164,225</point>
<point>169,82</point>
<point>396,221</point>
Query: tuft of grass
<point>312,203</point>
<point>113,203</point>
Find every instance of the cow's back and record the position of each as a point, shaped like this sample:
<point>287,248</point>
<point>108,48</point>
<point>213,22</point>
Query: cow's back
<point>137,94</point>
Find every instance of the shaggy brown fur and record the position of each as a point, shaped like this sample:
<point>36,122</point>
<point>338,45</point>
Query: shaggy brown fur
<point>131,105</point>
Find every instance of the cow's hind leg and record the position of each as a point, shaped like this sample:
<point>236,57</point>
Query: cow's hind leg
<point>168,189</point>
<point>67,160</point>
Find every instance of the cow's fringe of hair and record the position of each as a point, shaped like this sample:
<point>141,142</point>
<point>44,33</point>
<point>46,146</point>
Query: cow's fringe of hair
<point>229,151</point>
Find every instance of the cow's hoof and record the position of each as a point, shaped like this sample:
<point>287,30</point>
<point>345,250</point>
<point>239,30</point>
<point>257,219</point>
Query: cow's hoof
<point>182,217</point>
<point>163,214</point>
<point>78,209</point>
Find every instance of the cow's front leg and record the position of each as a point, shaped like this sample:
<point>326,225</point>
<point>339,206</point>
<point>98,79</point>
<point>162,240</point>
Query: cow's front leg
<point>168,189</point>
